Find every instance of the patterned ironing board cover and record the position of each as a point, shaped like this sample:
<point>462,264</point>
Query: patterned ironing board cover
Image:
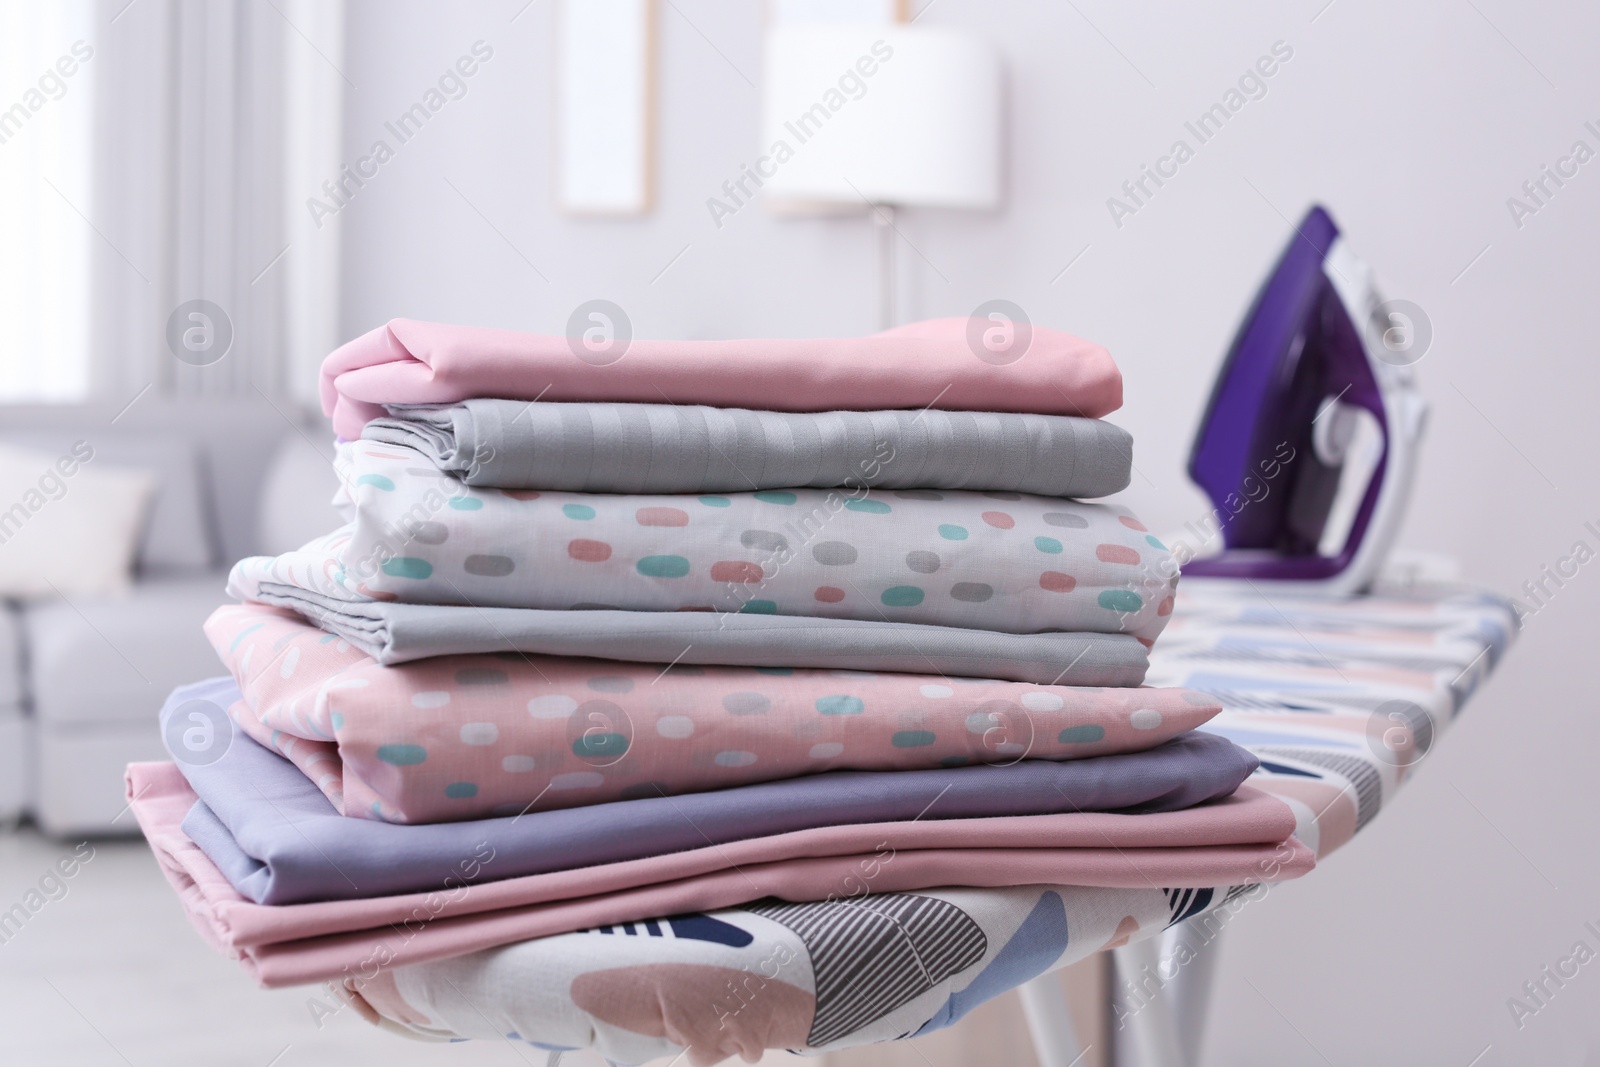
<point>1341,700</point>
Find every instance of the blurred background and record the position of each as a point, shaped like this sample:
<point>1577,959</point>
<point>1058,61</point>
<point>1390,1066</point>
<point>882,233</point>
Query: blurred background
<point>199,200</point>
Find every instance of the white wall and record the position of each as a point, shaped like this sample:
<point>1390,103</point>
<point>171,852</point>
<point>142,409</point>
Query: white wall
<point>1413,122</point>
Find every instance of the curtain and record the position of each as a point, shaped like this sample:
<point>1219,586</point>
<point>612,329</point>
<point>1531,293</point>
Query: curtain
<point>215,120</point>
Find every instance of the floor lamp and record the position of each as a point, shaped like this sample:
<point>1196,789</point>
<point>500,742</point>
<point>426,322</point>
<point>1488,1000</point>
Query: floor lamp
<point>879,117</point>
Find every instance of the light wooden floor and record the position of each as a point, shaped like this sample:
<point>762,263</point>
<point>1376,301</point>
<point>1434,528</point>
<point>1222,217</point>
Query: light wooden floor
<point>111,973</point>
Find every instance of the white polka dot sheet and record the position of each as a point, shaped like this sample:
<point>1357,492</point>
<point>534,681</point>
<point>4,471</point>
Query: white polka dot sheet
<point>464,737</point>
<point>1003,562</point>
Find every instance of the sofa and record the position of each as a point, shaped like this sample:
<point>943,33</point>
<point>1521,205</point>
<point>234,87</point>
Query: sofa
<point>82,678</point>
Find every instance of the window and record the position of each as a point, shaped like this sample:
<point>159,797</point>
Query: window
<point>46,182</point>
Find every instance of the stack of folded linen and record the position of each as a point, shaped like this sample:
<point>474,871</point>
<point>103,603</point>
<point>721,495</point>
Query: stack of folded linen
<point>609,640</point>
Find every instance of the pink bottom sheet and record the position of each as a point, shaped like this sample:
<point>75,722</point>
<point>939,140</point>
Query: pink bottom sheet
<point>1236,840</point>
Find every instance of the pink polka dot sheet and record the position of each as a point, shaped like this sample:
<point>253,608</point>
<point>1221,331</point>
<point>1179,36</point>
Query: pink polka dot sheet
<point>939,363</point>
<point>464,737</point>
<point>1003,562</point>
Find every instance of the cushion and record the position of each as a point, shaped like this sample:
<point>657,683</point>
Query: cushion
<point>176,534</point>
<point>68,526</point>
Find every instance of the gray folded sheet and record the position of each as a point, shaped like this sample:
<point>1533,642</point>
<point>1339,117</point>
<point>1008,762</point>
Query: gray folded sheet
<point>396,633</point>
<point>670,448</point>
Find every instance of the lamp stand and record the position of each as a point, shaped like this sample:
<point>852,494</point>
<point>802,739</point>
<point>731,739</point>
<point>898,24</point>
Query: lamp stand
<point>884,266</point>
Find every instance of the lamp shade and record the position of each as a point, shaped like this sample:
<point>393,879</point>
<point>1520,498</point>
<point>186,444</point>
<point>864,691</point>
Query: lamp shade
<point>901,115</point>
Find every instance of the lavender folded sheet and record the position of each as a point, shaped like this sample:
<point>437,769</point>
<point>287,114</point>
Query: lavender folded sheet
<point>278,840</point>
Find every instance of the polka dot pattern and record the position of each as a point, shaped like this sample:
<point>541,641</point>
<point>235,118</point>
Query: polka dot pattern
<point>461,737</point>
<point>834,554</point>
<point>840,705</point>
<point>407,567</point>
<point>663,566</point>
<point>1116,554</point>
<point>764,541</point>
<point>587,551</point>
<point>599,744</point>
<point>1145,719</point>
<point>553,706</point>
<point>1121,600</point>
<point>431,533</point>
<point>902,596</point>
<point>402,755</point>
<point>736,570</point>
<point>1004,562</point>
<point>1056,582</point>
<point>1066,520</point>
<point>479,733</point>
<point>913,738</point>
<point>677,727</point>
<point>661,517</point>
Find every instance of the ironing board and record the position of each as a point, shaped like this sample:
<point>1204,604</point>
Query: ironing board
<point>1339,699</point>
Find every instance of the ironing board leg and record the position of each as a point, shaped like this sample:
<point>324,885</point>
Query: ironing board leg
<point>1044,1005</point>
<point>1144,1030</point>
<point>1160,1021</point>
<point>1191,988</point>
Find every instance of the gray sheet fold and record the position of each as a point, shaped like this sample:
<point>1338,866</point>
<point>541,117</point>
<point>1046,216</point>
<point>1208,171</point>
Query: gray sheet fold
<point>397,633</point>
<point>668,448</point>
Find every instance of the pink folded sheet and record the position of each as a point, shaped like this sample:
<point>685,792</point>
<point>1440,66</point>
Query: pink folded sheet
<point>1246,838</point>
<point>463,737</point>
<point>940,363</point>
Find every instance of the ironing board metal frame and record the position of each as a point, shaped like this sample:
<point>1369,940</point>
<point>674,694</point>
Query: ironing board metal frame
<point>1166,1031</point>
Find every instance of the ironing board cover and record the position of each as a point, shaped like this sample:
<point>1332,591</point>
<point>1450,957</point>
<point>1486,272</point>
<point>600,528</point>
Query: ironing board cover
<point>1339,699</point>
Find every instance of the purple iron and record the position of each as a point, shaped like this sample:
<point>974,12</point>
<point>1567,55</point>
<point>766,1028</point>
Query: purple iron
<point>1309,441</point>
